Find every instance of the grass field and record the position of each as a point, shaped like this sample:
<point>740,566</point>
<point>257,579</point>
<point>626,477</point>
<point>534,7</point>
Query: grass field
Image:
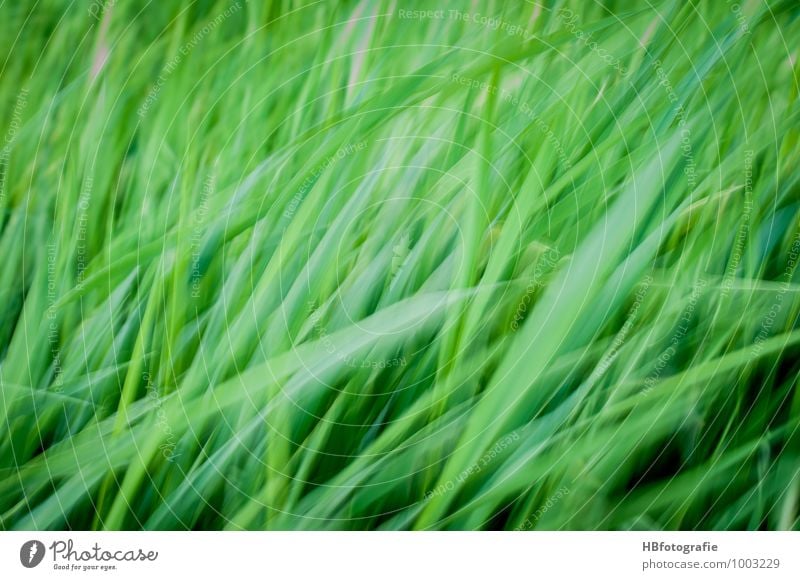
<point>399,265</point>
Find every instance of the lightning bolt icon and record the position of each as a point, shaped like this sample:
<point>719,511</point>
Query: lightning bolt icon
<point>32,553</point>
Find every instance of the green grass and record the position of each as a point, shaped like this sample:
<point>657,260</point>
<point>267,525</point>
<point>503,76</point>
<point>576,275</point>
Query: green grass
<point>347,266</point>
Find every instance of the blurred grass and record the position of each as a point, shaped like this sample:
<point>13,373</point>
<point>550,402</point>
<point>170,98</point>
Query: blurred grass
<point>357,265</point>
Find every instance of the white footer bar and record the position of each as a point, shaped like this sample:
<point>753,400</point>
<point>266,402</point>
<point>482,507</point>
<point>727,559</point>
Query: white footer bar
<point>401,555</point>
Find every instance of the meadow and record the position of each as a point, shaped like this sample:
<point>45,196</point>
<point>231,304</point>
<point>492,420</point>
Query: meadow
<point>399,265</point>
